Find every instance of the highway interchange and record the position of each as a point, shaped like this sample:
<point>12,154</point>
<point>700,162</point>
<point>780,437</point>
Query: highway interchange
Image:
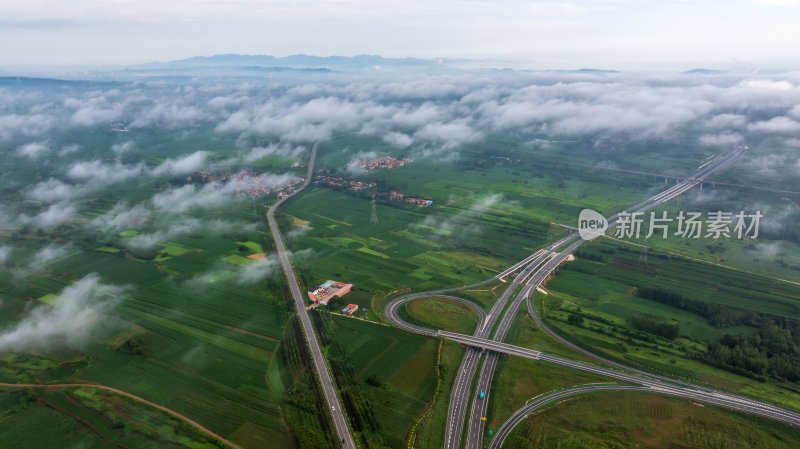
<point>488,338</point>
<point>532,272</point>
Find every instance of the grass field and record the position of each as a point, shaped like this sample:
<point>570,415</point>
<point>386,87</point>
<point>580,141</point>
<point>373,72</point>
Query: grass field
<point>391,371</point>
<point>518,380</point>
<point>90,418</point>
<point>440,313</point>
<point>603,294</point>
<point>202,350</point>
<point>632,420</point>
<point>431,431</point>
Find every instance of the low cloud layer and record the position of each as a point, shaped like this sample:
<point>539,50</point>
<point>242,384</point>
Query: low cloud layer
<point>462,222</point>
<point>78,315</point>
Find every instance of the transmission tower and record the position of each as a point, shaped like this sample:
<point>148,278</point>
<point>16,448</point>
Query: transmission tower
<point>643,255</point>
<point>373,220</point>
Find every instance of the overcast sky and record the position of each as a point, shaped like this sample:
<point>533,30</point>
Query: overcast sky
<point>632,34</point>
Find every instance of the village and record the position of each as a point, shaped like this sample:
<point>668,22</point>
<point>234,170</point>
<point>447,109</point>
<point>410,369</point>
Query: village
<point>324,178</point>
<point>246,182</point>
<point>383,162</point>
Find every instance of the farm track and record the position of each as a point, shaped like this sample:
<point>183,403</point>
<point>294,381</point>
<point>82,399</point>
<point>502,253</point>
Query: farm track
<point>136,398</point>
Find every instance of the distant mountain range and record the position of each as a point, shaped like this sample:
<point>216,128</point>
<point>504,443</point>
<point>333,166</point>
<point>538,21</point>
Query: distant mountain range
<point>702,71</point>
<point>301,62</point>
<point>258,65</point>
<point>302,65</point>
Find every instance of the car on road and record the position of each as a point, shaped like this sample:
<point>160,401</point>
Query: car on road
<point>482,394</point>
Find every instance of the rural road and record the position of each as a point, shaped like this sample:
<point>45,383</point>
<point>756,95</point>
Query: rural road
<point>320,365</point>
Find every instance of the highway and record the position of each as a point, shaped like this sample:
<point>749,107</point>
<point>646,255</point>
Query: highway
<point>459,397</point>
<point>320,365</point>
<point>533,276</point>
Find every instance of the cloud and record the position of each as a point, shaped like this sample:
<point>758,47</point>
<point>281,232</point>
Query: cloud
<point>174,227</point>
<point>421,115</point>
<point>5,253</point>
<point>215,194</point>
<point>95,110</point>
<point>795,112</point>
<point>258,153</point>
<point>53,190</point>
<point>54,215</point>
<point>66,150</point>
<point>462,223</point>
<point>723,139</point>
<point>297,231</point>
<point>123,147</point>
<point>309,121</point>
<point>352,168</point>
<point>450,134</point>
<point>398,140</point>
<point>122,217</point>
<point>768,251</point>
<point>101,173</point>
<point>767,165</point>
<point>33,150</point>
<point>167,113</point>
<point>767,84</point>
<point>46,255</point>
<point>182,165</point>
<point>185,198</point>
<point>33,125</point>
<point>726,121</point>
<point>777,125</point>
<point>258,270</point>
<point>79,315</point>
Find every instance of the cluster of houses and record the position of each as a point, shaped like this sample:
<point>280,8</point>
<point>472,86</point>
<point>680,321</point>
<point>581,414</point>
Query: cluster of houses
<point>383,162</point>
<point>419,202</point>
<point>355,186</point>
<point>246,182</point>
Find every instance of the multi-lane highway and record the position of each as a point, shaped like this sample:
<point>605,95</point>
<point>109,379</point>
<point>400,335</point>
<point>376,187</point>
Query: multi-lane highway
<point>320,365</point>
<point>532,277</point>
<point>459,397</point>
<point>533,271</point>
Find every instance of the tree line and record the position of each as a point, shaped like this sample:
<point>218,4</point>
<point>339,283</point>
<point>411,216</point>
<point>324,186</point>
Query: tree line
<point>771,350</point>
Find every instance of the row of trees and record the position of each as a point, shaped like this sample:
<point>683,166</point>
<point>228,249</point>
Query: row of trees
<point>772,350</point>
<point>717,315</point>
<point>654,325</point>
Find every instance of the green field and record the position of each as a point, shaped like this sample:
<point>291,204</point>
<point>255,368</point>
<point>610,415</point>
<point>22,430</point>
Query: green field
<point>85,417</point>
<point>388,377</point>
<point>172,341</point>
<point>633,420</point>
<point>440,313</point>
<point>603,293</point>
